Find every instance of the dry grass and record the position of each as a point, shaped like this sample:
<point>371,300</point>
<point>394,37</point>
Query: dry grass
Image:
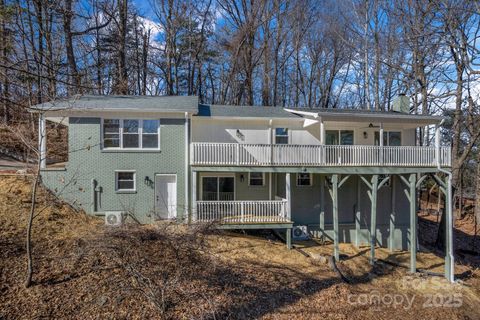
<point>84,270</point>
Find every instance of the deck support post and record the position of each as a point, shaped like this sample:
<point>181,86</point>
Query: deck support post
<point>413,222</point>
<point>193,210</point>
<point>270,196</point>
<point>288,195</point>
<point>449,260</point>
<point>437,144</point>
<point>42,140</point>
<point>446,188</point>
<point>381,142</point>
<point>391,236</point>
<point>336,249</point>
<point>288,237</point>
<point>322,205</point>
<point>322,132</point>
<point>373,217</point>
<point>358,212</point>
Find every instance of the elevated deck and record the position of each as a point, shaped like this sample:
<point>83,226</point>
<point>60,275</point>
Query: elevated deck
<point>288,155</point>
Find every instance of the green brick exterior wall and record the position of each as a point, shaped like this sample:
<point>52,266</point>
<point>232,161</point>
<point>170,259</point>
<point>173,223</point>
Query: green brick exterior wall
<point>87,161</point>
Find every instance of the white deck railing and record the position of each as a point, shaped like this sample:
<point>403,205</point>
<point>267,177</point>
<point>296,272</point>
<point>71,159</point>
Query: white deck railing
<point>261,211</point>
<point>235,154</point>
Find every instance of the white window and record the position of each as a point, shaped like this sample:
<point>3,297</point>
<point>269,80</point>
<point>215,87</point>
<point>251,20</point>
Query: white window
<point>131,134</point>
<point>150,134</point>
<point>304,179</point>
<point>390,138</point>
<point>125,181</point>
<point>218,188</point>
<point>111,133</point>
<point>281,135</point>
<point>256,179</point>
<point>339,137</point>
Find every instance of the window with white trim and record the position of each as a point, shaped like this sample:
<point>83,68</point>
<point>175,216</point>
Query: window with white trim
<point>111,133</point>
<point>125,181</point>
<point>256,178</point>
<point>390,138</point>
<point>339,137</point>
<point>131,134</point>
<point>304,179</point>
<point>281,135</point>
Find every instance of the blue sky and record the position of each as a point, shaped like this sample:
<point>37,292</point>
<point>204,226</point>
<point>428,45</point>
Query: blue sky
<point>144,8</point>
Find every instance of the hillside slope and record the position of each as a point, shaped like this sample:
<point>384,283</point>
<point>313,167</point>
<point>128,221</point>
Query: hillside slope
<point>84,270</point>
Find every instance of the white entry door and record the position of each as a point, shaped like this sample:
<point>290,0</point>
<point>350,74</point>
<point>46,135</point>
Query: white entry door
<point>166,196</point>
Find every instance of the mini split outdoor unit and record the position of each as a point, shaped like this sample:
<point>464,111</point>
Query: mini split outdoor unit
<point>113,218</point>
<point>300,233</point>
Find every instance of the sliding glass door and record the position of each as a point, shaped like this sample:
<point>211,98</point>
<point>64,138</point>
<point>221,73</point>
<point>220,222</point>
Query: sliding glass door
<point>218,188</point>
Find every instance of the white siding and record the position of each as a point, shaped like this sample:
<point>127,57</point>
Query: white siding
<point>256,131</point>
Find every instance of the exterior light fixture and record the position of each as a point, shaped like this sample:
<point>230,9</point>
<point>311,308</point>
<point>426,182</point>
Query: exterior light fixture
<point>240,135</point>
<point>148,181</point>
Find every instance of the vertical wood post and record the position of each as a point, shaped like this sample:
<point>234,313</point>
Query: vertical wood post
<point>288,237</point>
<point>237,152</point>
<point>187,169</point>
<point>242,211</point>
<point>437,144</point>
<point>194,196</point>
<point>358,212</point>
<point>449,260</point>
<point>270,140</point>
<point>373,218</point>
<point>336,249</point>
<point>42,140</point>
<point>381,143</point>
<point>322,132</point>
<point>270,196</point>
<point>288,195</point>
<point>322,205</point>
<point>391,236</point>
<point>413,223</point>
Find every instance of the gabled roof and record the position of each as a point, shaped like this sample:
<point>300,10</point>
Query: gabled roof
<point>122,103</point>
<point>181,104</point>
<point>243,111</point>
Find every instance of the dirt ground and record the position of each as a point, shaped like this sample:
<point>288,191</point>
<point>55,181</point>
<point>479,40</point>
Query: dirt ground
<point>84,270</point>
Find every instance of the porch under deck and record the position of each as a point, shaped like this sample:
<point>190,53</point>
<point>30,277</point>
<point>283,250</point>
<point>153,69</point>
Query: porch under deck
<point>277,214</point>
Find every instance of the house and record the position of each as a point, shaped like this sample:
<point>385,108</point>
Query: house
<point>347,175</point>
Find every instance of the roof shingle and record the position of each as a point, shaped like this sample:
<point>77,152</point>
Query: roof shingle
<point>123,103</point>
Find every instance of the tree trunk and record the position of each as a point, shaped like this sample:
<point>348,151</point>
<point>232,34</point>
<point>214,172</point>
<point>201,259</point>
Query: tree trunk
<point>122,76</point>
<point>74,85</point>
<point>36,180</point>
<point>477,201</point>
<point>146,39</point>
<point>266,68</point>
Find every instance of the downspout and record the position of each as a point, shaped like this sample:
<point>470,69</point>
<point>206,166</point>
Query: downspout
<point>187,172</point>
<point>270,133</point>
<point>449,259</point>
<point>93,208</point>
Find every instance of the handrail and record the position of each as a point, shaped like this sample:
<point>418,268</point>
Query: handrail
<point>235,154</point>
<point>241,211</point>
